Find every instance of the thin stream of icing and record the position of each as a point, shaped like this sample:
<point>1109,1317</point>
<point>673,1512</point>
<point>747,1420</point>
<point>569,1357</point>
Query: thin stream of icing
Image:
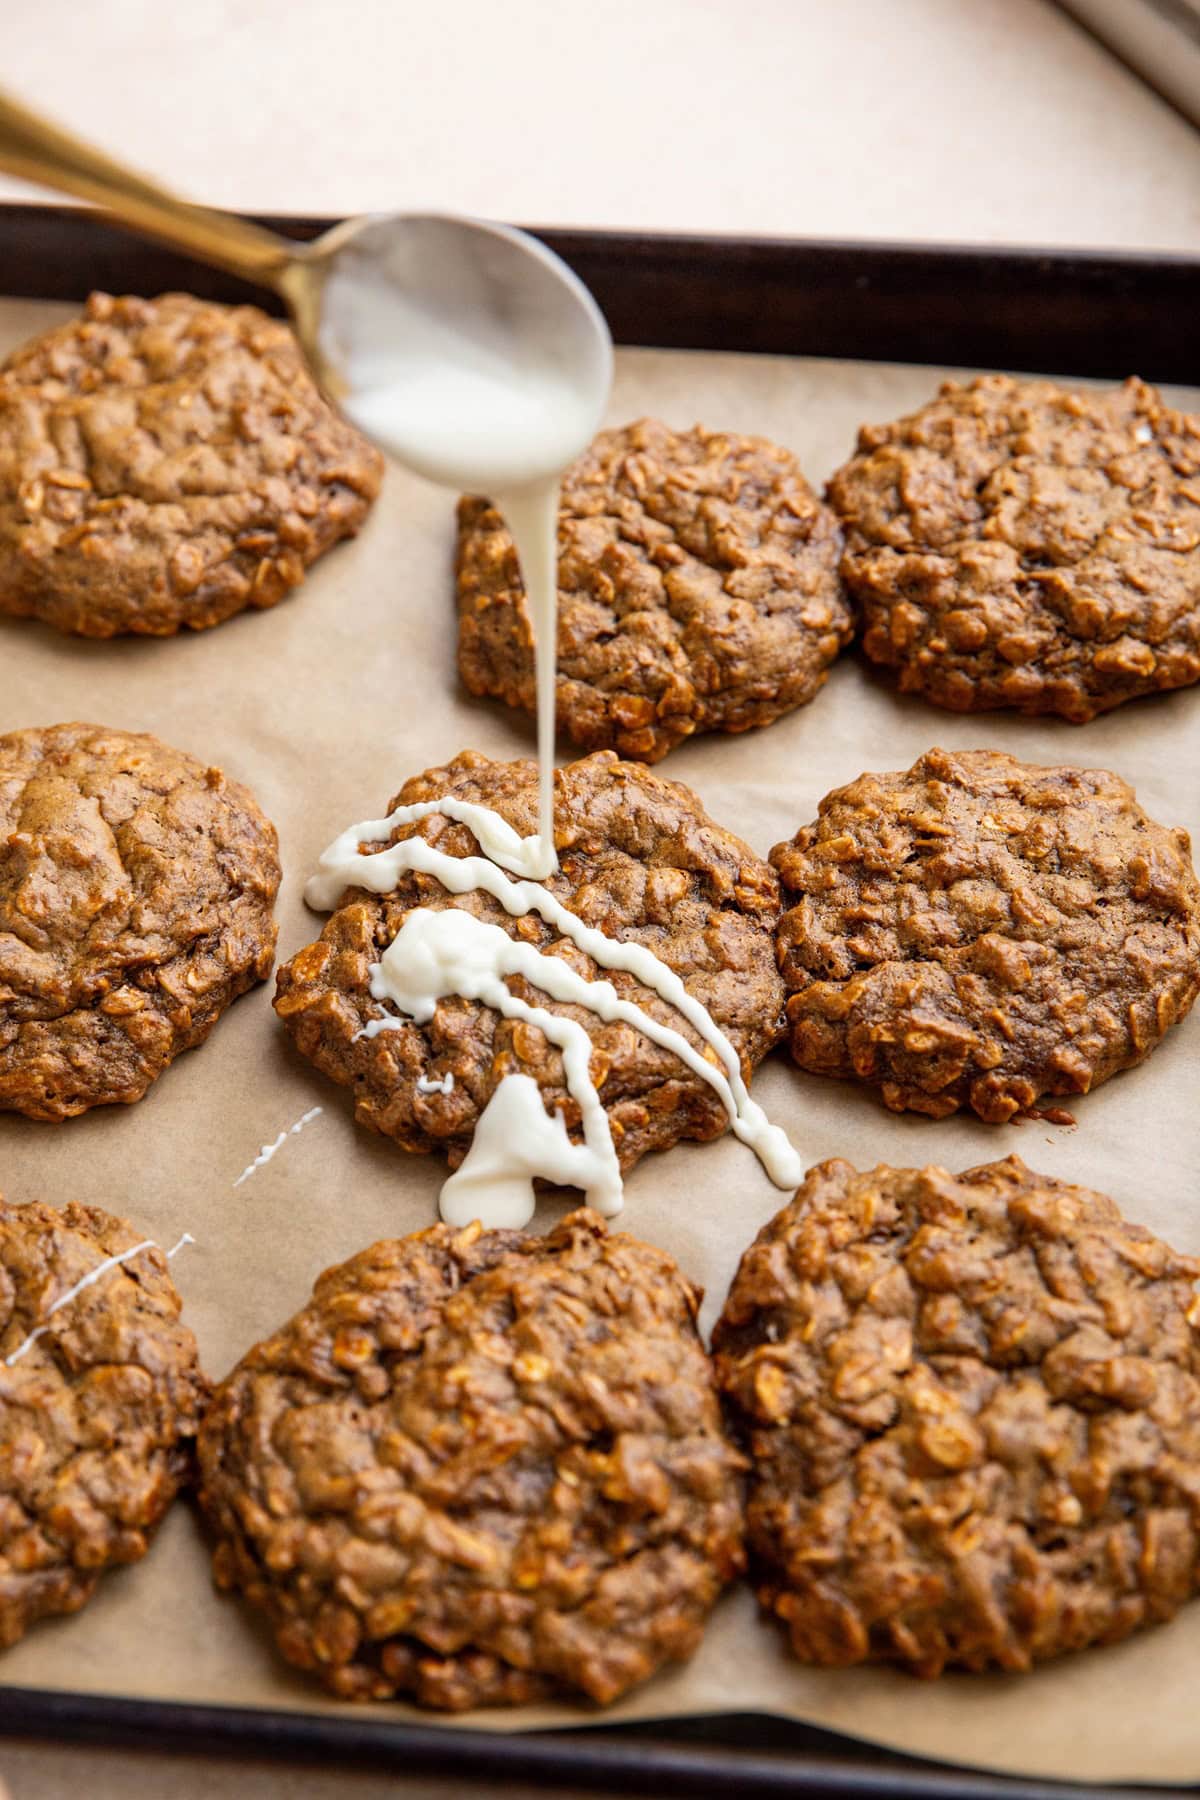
<point>531,515</point>
<point>87,1281</point>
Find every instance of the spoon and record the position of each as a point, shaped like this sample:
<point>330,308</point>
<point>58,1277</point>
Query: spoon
<point>467,349</point>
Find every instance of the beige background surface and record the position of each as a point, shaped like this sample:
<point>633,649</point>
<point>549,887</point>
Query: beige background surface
<point>985,120</point>
<point>992,120</point>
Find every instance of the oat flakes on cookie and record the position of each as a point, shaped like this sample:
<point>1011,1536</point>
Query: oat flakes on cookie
<point>100,1401</point>
<point>972,1409</point>
<point>1014,544</point>
<point>980,932</point>
<point>480,1468</point>
<point>698,591</point>
<point>136,896</point>
<point>640,860</point>
<point>168,463</point>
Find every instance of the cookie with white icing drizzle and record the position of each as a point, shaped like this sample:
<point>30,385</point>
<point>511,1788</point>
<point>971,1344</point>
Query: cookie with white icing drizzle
<point>641,863</point>
<point>100,1399</point>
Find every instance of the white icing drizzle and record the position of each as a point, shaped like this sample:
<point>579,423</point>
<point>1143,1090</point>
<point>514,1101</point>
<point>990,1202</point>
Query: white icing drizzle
<point>342,863</point>
<point>268,1150</point>
<point>87,1281</point>
<point>424,1085</point>
<point>436,954</point>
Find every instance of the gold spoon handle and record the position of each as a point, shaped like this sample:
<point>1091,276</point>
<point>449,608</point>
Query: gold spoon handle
<point>35,150</point>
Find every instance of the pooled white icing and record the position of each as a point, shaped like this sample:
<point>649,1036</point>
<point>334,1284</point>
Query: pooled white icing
<point>515,1140</point>
<point>268,1150</point>
<point>89,1280</point>
<point>425,1086</point>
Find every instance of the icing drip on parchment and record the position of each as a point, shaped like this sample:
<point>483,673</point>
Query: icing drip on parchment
<point>268,1150</point>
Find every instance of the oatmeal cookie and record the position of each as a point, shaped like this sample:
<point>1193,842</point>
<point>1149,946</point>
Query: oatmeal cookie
<point>167,463</point>
<point>977,931</point>
<point>640,860</point>
<point>1015,544</point>
<point>480,1468</point>
<point>136,895</point>
<point>100,1399</point>
<point>972,1408</point>
<point>698,591</point>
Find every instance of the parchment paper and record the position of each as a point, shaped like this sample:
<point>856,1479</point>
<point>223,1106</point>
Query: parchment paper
<point>324,706</point>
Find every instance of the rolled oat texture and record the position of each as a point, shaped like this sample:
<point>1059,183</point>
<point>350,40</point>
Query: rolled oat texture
<point>972,1410</point>
<point>480,1468</point>
<point>97,1415</point>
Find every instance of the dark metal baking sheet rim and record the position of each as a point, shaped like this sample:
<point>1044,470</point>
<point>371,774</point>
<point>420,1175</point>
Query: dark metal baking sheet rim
<point>1073,312</point>
<point>719,1756</point>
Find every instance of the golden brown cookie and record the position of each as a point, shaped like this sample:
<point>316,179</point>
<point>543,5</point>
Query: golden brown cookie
<point>977,931</point>
<point>100,1399</point>
<point>639,859</point>
<point>136,896</point>
<point>698,591</point>
<point>480,1468</point>
<point>972,1409</point>
<point>1017,544</point>
<point>167,463</point>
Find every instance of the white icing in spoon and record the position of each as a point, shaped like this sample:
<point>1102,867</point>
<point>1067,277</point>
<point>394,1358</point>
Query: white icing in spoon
<point>89,1280</point>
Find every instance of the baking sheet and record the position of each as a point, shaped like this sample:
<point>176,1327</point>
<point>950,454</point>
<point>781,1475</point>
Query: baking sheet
<point>324,706</point>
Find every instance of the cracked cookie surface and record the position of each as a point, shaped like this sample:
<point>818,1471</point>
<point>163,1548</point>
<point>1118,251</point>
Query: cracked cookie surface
<point>137,889</point>
<point>698,591</point>
<point>97,1415</point>
<point>480,1468</point>
<point>1013,544</point>
<point>168,463</point>
<point>639,860</point>
<point>972,1409</point>
<point>976,931</point>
